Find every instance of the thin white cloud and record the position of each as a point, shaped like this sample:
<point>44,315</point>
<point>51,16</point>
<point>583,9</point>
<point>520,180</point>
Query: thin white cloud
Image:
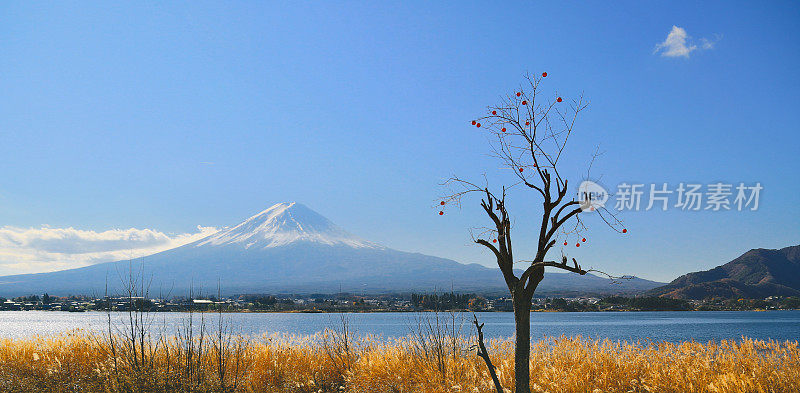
<point>679,44</point>
<point>707,43</point>
<point>31,250</point>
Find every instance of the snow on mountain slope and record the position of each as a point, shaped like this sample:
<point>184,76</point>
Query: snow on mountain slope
<point>283,224</point>
<point>289,248</point>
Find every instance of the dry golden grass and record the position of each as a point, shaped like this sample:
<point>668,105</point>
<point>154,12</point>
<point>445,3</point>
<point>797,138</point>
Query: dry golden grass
<point>78,362</point>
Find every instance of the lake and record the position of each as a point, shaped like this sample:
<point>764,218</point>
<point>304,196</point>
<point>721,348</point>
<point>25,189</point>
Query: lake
<point>630,326</point>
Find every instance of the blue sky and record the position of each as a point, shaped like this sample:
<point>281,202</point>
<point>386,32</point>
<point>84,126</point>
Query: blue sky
<point>163,117</point>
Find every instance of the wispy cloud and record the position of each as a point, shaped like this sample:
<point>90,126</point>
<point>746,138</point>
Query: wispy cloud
<point>679,44</point>
<point>32,250</point>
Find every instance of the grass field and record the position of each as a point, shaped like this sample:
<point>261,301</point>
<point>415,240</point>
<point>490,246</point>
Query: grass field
<point>337,362</point>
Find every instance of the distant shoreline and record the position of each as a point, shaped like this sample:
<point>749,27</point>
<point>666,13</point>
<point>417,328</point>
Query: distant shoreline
<point>393,311</point>
<point>348,303</point>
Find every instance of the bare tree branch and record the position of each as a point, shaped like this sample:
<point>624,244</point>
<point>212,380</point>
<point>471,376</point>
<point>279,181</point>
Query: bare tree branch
<point>484,354</point>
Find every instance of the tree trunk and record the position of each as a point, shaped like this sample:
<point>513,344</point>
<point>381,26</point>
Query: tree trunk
<point>522,350</point>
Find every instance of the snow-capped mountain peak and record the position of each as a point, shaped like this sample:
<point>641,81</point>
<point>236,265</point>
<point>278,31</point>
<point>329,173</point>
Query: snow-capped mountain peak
<point>282,224</point>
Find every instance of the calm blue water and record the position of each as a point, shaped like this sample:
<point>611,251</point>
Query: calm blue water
<point>630,326</point>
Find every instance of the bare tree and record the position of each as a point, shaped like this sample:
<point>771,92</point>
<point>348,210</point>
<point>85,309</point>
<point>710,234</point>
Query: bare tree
<point>528,134</point>
<point>437,338</point>
<point>131,343</point>
<point>227,350</point>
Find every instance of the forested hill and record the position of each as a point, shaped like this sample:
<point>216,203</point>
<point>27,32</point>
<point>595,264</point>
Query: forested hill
<point>757,273</point>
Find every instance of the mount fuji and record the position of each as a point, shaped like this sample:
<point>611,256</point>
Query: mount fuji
<point>290,248</point>
<point>281,225</point>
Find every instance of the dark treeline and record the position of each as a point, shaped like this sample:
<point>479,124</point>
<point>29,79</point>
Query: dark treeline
<point>448,301</point>
<point>651,303</point>
<point>616,303</point>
